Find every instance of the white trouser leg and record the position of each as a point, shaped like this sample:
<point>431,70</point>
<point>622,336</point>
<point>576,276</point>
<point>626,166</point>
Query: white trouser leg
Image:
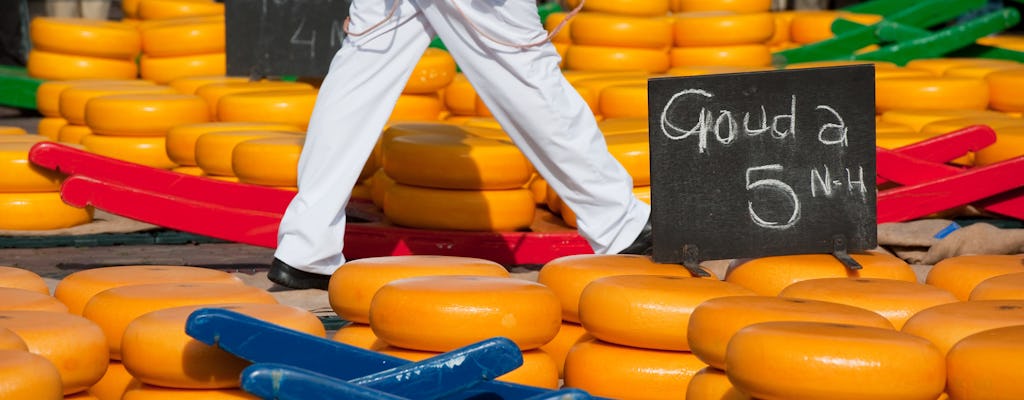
<point>96,9</point>
<point>542,113</point>
<point>355,101</point>
<point>62,8</point>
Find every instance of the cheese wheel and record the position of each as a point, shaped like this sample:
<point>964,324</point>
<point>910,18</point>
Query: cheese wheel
<point>780,35</point>
<point>434,71</point>
<point>113,384</point>
<point>353,285</point>
<point>27,300</point>
<point>130,9</point>
<point>11,130</point>
<point>568,276</point>
<point>640,8</point>
<point>591,88</point>
<point>73,133</point>
<point>447,161</point>
<point>76,289</point>
<point>961,274</point>
<point>712,383</point>
<point>879,65</point>
<point>17,174</point>
<point>417,107</point>
<point>558,348</point>
<point>166,9</point>
<point>181,139</point>
<point>187,363</point>
<point>268,162</point>
<point>291,107</point>
<point>647,311</point>
<point>946,324</point>
<point>442,313</point>
<point>139,391</point>
<point>49,127</point>
<point>617,30</point>
<point>213,92</point>
<point>379,189</point>
<point>930,94</point>
<point>618,126</point>
<point>722,28</point>
<point>19,278</point>
<point>48,94</point>
<point>460,96</point>
<point>890,135</point>
<point>900,72</point>
<point>604,58</point>
<point>85,37</point>
<point>840,362</point>
<point>213,149</point>
<point>815,26</point>
<point>73,99</point>
<point>627,372</point>
<point>113,309</point>
<point>184,37</point>
<point>359,335</point>
<point>987,365</point>
<point>190,84</point>
<point>624,101</point>
<point>917,118</point>
<point>939,66</point>
<point>552,21</point>
<point>40,212</point>
<point>740,55</point>
<point>739,6</point>
<point>997,123</point>
<point>978,71</point>
<point>166,69</point>
<point>1004,88</point>
<point>46,65</point>
<point>462,210</point>
<point>150,151</point>
<point>895,300</point>
<point>714,322</point>
<point>143,114</point>
<point>27,376</point>
<point>1002,287</point>
<point>769,275</point>
<point>73,344</point>
<point>10,341</point>
<point>633,152</point>
<point>1007,146</point>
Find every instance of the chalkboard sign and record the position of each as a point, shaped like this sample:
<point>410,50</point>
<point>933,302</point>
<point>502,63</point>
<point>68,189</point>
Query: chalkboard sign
<point>763,163</point>
<point>283,37</point>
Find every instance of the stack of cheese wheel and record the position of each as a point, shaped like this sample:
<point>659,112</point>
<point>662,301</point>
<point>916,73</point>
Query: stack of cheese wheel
<point>961,274</point>
<point>181,142</point>
<point>291,107</point>
<point>930,93</point>
<point>620,35</point>
<point>624,102</point>
<point>30,195</point>
<point>190,84</point>
<point>421,98</point>
<point>73,100</point>
<point>770,275</point>
<point>807,27</point>
<point>48,102</point>
<point>447,177</point>
<point>639,322</point>
<point>421,317</point>
<point>182,46</point>
<point>73,48</point>
<point>214,91</point>
<point>727,38</point>
<point>214,152</point>
<point>75,345</point>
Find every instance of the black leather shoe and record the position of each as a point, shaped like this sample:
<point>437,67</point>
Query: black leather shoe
<point>286,275</point>
<point>643,245</point>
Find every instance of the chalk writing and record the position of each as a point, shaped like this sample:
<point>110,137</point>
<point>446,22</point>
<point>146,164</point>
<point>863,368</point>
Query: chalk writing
<point>783,125</point>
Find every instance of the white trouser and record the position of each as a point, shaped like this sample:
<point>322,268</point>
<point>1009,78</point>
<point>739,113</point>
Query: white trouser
<point>524,89</point>
<point>88,9</point>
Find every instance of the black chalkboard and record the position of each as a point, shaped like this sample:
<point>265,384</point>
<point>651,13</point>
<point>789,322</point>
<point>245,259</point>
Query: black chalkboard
<point>763,163</point>
<point>283,37</point>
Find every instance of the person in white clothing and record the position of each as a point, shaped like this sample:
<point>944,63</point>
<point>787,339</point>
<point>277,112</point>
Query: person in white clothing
<point>503,50</point>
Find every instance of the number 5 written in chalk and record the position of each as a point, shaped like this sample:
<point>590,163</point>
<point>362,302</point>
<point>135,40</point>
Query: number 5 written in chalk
<point>776,185</point>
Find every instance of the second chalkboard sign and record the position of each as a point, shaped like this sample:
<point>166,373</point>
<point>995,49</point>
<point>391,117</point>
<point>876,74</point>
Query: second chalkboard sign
<point>283,37</point>
<point>763,163</point>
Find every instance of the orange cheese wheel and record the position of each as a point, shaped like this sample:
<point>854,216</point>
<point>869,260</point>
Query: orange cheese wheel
<point>353,285</point>
<point>780,35</point>
<point>28,376</point>
<point>712,383</point>
<point>463,210</point>
<point>46,65</point>
<point>166,9</point>
<point>604,58</point>
<point>291,107</point>
<point>166,69</point>
<point>617,30</point>
<point>113,384</point>
<point>48,94</point>
<point>76,289</point>
<point>917,118</point>
<point>73,344</point>
<point>18,175</point>
<point>591,88</point>
<point>946,324</point>
<point>181,139</point>
<point>213,149</point>
<point>1002,287</point>
<point>85,37</point>
<point>452,161</point>
<point>959,275</point>
<point>900,72</point>
<point>442,313</point>
<point>183,37</point>
<point>618,126</point>
<point>539,187</point>
<point>986,365</point>
<point>49,127</point>
<point>931,94</point>
<point>647,311</point>
<point>890,135</point>
<point>139,391</point>
<point>895,300</point>
<point>815,26</point>
<point>434,71</point>
<point>189,84</point>
<point>145,150</point>
<point>641,8</point>
<point>359,335</point>
<point>769,275</point>
<point>73,99</point>
<point>939,66</point>
<point>1007,146</point>
<point>11,130</point>
<point>11,341</point>
<point>19,278</point>
<point>633,152</point>
<point>628,372</point>
<point>624,101</point>
<point>1007,129</point>
<point>188,170</point>
<point>740,55</point>
<point>568,276</point>
<point>418,107</point>
<point>73,134</point>
<point>39,212</point>
<point>187,363</point>
<point>381,183</point>
<point>213,92</point>
<point>27,300</point>
<point>879,65</point>
<point>143,114</point>
<point>558,348</point>
<point>1004,89</point>
<point>714,322</point>
<point>268,162</point>
<point>887,364</point>
<point>552,21</point>
<point>722,28</point>
<point>979,71</point>
<point>460,97</point>
<point>740,6</point>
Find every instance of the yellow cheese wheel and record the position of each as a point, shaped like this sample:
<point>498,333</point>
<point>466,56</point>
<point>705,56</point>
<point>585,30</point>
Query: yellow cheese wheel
<point>113,384</point>
<point>27,376</point>
<point>568,276</point>
<point>1002,287</point>
<point>1006,41</point>
<point>633,152</point>
<point>613,371</point>
<point>130,9</point>
<point>73,134</point>
<point>213,92</point>
<point>14,277</point>
<point>591,88</point>
<point>359,335</point>
<point>617,30</point>
<point>558,348</point>
<point>381,182</point>
<point>647,311</point>
<point>552,21</point>
<point>604,58</point>
<point>740,6</point>
<point>165,9</point>
<point>113,309</point>
<point>833,361</point>
<point>1008,145</point>
<point>145,150</point>
<point>714,322</point>
<point>184,37</point>
<point>213,150</point>
<point>712,383</point>
<point>11,130</point>
<point>740,55</point>
<point>961,274</point>
<point>618,126</point>
<point>434,71</point>
<point>73,344</point>
<point>76,289</point>
<point>463,210</point>
<point>780,35</point>
<point>39,212</point>
<point>353,285</point>
<point>188,170</point>
<point>181,139</point>
<point>189,84</point>
<point>722,28</point>
<point>930,94</point>
<point>27,300</point>
<point>624,101</point>
<point>47,65</point>
<point>986,365</point>
<point>895,300</point>
<point>143,114</point>
<point>268,162</point>
<point>879,65</point>
<point>460,97</point>
<point>978,71</point>
<point>142,25</point>
<point>291,107</point>
<point>26,138</point>
<point>769,275</point>
<point>939,66</point>
<point>85,37</point>
<point>73,99</point>
<point>48,94</point>
<point>448,161</point>
<point>17,174</point>
<point>1005,88</point>
<point>418,107</point>
<point>917,118</point>
<point>49,127</point>
<point>442,313</point>
<point>814,26</point>
<point>997,123</point>
<point>11,341</point>
<point>139,391</point>
<point>166,69</point>
<point>946,324</point>
<point>187,363</point>
<point>891,135</point>
<point>640,8</point>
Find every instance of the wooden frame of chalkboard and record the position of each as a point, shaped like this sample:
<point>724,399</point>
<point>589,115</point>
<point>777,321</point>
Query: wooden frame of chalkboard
<point>763,163</point>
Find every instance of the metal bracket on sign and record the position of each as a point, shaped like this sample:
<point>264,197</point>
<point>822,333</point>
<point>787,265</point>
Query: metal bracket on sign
<point>839,252</point>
